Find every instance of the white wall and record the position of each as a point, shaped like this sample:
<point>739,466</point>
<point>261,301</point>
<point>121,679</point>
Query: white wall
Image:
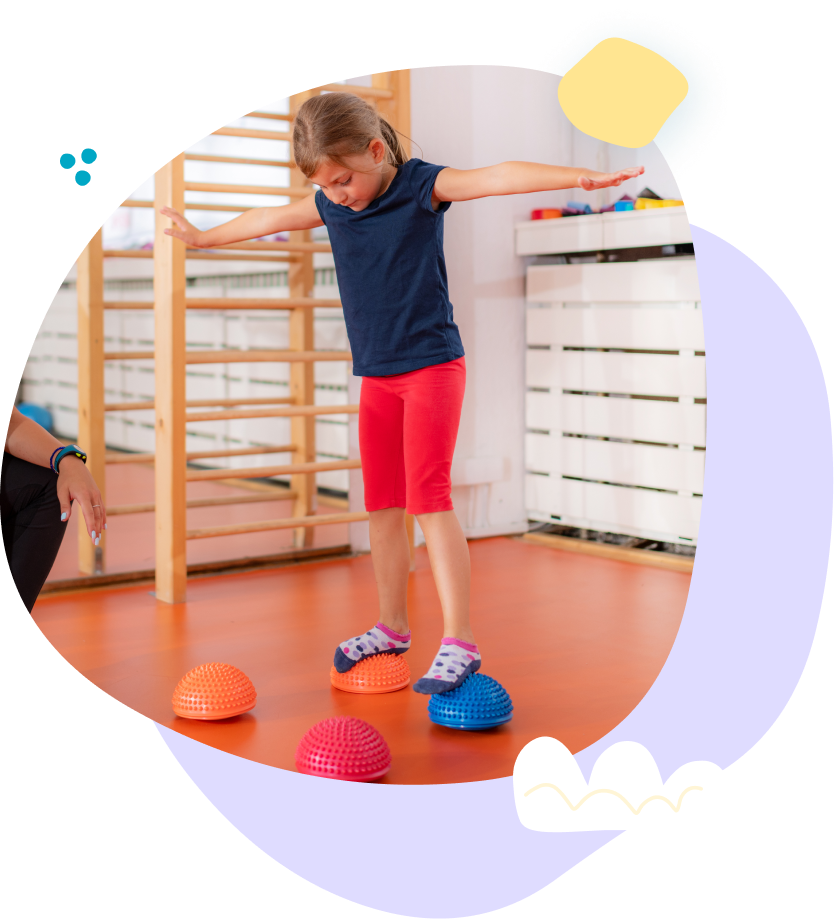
<point>469,117</point>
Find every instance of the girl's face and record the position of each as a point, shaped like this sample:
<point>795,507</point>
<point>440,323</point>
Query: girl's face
<point>362,178</point>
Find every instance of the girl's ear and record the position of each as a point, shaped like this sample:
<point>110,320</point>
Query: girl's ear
<point>377,149</point>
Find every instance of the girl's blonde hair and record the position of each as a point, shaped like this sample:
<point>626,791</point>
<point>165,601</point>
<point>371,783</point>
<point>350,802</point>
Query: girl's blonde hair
<point>336,125</point>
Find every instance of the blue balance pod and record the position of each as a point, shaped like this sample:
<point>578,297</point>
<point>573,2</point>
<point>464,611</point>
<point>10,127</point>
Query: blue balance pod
<point>477,704</point>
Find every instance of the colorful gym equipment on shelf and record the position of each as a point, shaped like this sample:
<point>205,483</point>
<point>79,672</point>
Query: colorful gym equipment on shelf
<point>378,673</point>
<point>644,204</point>
<point>546,213</point>
<point>213,691</point>
<point>343,748</point>
<point>477,704</point>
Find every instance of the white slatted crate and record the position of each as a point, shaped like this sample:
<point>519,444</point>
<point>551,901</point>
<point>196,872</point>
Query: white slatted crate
<point>658,281</point>
<point>543,496</point>
<point>616,397</point>
<point>667,468</point>
<point>618,327</point>
<point>635,374</point>
<point>631,419</point>
<point>595,232</point>
<point>634,511</point>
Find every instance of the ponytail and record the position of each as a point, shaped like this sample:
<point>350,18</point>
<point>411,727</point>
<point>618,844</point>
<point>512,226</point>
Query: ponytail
<point>395,148</point>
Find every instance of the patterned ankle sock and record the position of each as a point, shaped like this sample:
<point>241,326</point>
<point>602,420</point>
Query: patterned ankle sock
<point>379,640</point>
<point>453,663</point>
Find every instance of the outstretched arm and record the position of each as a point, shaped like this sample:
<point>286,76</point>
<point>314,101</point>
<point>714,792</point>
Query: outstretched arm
<point>260,221</point>
<point>521,178</point>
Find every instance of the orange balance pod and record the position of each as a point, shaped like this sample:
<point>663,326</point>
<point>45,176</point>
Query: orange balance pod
<point>213,691</point>
<point>378,673</point>
<point>343,748</point>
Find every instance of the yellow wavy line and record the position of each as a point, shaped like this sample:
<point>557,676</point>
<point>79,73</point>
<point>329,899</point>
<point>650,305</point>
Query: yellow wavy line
<point>610,791</point>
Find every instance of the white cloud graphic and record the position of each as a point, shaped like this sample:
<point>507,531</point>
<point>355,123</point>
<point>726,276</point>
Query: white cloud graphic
<point>552,796</point>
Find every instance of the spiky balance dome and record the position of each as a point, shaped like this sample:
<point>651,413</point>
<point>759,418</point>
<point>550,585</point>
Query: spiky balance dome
<point>213,691</point>
<point>343,748</point>
<point>477,704</point>
<point>378,673</point>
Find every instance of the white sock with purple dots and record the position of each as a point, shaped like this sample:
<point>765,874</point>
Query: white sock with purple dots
<point>379,640</point>
<point>453,663</point>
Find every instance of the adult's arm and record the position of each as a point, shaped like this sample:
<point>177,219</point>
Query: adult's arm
<point>28,441</point>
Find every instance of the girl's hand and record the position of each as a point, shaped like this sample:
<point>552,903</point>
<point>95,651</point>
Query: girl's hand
<point>182,229</point>
<point>607,179</point>
<point>76,484</point>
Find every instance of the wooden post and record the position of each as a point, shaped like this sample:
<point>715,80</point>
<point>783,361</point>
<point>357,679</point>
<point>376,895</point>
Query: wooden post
<point>169,398</point>
<point>302,374</point>
<point>90,286</point>
<point>396,111</point>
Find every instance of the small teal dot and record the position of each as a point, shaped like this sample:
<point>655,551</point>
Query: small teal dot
<point>89,155</point>
<point>67,160</point>
<point>82,177</point>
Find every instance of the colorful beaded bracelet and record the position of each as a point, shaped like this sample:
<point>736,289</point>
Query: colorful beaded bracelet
<point>69,450</point>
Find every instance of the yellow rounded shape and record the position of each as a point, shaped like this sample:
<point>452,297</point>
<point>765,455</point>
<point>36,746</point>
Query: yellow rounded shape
<point>621,93</point>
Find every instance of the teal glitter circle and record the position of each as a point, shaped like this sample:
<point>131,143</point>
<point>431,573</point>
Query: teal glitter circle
<point>67,160</point>
<point>89,155</point>
<point>699,118</point>
<point>82,177</point>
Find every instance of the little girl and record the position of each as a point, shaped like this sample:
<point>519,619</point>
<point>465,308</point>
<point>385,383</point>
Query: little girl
<point>384,216</point>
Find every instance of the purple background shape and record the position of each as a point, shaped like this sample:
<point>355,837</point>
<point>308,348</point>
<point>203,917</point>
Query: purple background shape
<point>745,636</point>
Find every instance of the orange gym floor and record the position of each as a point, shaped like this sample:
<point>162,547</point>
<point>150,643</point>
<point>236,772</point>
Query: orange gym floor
<point>576,641</point>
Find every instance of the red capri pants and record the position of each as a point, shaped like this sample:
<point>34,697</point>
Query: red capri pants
<point>408,425</point>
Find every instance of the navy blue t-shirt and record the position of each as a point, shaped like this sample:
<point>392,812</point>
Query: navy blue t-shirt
<point>392,276</point>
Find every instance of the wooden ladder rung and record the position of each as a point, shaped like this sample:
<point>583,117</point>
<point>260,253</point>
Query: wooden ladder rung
<point>234,303</point>
<point>232,356</point>
<point>118,458</point>
<point>257,245</point>
<point>253,132</point>
<point>286,523</point>
<point>243,160</point>
<point>128,355</point>
<point>208,254</point>
<point>273,116</point>
<point>369,92</point>
<point>250,189</point>
<point>282,494</point>
<point>261,303</point>
<point>265,472</point>
<point>197,403</point>
<point>297,411</point>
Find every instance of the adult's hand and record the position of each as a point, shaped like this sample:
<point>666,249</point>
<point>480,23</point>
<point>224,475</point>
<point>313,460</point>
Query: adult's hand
<point>76,484</point>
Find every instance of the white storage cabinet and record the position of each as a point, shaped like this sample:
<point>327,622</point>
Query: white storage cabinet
<point>616,395</point>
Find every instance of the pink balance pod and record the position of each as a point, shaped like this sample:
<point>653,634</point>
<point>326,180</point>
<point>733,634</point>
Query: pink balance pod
<point>213,691</point>
<point>343,748</point>
<point>377,673</point>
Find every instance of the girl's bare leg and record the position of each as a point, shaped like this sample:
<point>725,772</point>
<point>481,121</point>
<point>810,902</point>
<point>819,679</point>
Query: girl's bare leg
<point>389,551</point>
<point>449,557</point>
